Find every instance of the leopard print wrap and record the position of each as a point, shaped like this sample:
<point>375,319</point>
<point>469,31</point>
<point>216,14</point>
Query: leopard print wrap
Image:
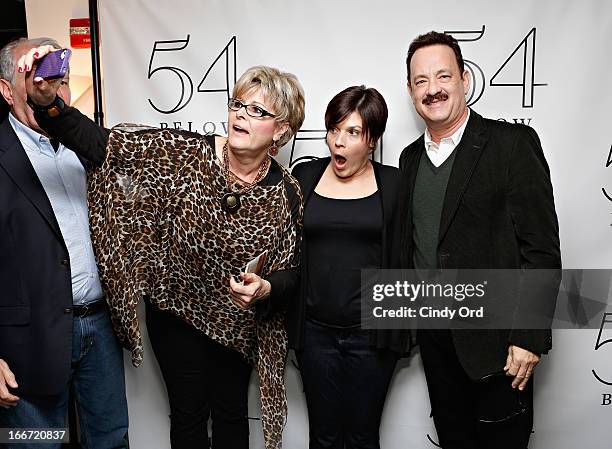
<point>158,230</point>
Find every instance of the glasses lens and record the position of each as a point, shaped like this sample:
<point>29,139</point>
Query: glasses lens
<point>234,104</point>
<point>254,111</point>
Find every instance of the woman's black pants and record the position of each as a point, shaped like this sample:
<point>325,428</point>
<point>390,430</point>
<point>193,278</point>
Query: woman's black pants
<point>346,383</point>
<point>204,380</point>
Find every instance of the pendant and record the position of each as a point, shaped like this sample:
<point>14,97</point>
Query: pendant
<point>230,202</point>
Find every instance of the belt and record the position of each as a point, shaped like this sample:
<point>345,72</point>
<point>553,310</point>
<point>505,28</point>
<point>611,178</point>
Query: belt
<point>89,309</point>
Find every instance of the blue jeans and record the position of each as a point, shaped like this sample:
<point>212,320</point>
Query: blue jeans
<point>345,384</point>
<point>99,385</point>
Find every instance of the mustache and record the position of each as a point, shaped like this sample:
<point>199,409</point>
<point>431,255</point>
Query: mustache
<point>440,96</point>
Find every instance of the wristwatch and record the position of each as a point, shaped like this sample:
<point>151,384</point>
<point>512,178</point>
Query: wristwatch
<point>52,110</point>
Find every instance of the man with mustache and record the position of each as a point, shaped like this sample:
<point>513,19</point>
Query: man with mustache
<point>476,194</point>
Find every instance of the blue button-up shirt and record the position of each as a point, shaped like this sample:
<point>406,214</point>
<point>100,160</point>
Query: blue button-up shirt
<point>65,182</point>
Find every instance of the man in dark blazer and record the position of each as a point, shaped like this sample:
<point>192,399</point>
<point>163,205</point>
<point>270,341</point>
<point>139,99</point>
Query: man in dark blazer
<point>475,193</point>
<point>55,328</point>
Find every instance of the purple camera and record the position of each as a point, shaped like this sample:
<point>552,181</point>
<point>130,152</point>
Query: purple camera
<point>53,65</point>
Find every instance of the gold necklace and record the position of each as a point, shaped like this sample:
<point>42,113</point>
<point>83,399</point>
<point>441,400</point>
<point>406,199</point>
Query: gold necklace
<point>230,201</point>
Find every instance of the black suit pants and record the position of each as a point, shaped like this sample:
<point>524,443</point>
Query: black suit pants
<point>468,414</point>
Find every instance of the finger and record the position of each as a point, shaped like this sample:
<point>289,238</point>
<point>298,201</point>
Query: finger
<point>249,278</point>
<point>9,377</point>
<point>233,284</point>
<point>245,299</point>
<point>8,404</point>
<point>528,375</point>
<point>521,374</point>
<point>240,297</point>
<point>34,54</point>
<point>508,361</point>
<point>246,289</point>
<point>238,303</point>
<point>43,50</point>
<point>27,60</point>
<point>239,286</point>
<point>6,396</point>
<point>513,367</point>
<point>21,64</point>
<point>523,383</point>
<point>238,289</point>
<point>241,304</point>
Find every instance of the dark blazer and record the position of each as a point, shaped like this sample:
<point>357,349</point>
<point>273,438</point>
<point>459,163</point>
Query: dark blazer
<point>387,178</point>
<point>498,212</point>
<point>35,280</point>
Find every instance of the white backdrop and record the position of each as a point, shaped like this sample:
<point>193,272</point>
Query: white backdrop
<point>546,63</point>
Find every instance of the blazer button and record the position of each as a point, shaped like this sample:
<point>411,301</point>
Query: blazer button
<point>67,310</point>
<point>65,262</point>
<point>444,259</point>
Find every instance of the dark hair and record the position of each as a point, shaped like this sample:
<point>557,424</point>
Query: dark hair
<point>435,38</point>
<point>368,102</point>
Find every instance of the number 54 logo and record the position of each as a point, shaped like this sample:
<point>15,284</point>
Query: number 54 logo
<point>524,52</point>
<point>227,55</point>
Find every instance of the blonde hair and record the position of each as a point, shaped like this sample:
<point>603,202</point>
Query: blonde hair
<point>283,92</point>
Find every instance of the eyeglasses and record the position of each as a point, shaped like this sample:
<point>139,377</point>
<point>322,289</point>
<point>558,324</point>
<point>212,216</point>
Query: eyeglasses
<point>251,109</point>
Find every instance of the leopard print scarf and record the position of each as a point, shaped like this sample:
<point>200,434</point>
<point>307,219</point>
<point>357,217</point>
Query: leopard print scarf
<point>158,230</point>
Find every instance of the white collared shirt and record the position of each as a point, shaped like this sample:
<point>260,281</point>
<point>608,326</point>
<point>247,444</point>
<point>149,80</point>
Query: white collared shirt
<point>439,153</point>
<point>65,182</point>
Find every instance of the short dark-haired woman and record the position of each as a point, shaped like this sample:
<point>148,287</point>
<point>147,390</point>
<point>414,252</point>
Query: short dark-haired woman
<point>349,225</point>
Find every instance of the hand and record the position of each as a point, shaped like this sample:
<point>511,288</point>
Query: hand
<point>252,289</point>
<point>7,378</point>
<point>41,91</point>
<point>520,364</point>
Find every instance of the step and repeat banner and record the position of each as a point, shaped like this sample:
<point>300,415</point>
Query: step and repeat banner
<point>543,63</point>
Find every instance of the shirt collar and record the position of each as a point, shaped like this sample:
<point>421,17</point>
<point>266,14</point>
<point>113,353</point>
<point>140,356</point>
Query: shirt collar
<point>454,139</point>
<point>29,138</point>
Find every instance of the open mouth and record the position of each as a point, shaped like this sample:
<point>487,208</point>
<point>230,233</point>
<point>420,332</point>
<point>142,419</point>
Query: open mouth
<point>339,161</point>
<point>237,129</point>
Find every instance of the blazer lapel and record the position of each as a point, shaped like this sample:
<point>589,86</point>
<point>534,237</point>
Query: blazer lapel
<point>468,153</point>
<point>15,162</point>
<point>410,167</point>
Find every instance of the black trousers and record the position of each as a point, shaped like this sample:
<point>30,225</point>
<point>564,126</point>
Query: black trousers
<point>204,380</point>
<point>488,414</point>
<point>345,383</point>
